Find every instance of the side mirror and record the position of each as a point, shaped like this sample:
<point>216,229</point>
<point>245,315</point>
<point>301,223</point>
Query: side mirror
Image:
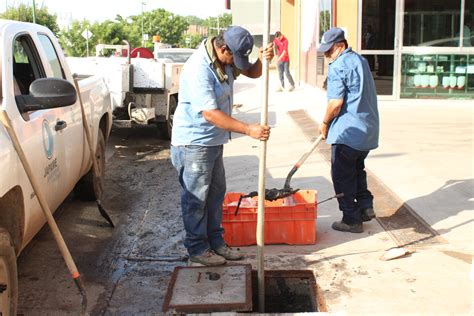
<point>47,93</point>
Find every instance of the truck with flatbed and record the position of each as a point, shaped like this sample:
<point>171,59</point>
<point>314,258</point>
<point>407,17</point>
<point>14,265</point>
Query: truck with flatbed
<point>143,85</point>
<point>38,94</point>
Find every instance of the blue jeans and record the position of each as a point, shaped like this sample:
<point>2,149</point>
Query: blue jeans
<point>284,67</point>
<point>350,178</point>
<point>202,177</point>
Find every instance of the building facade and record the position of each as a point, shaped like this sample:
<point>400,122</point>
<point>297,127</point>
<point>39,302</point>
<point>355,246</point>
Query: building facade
<point>415,48</point>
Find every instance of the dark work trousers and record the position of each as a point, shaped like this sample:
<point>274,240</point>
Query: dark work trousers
<point>350,178</point>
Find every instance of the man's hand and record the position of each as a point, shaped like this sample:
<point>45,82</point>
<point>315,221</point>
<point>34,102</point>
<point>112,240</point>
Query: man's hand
<point>266,53</point>
<point>323,129</point>
<point>258,131</point>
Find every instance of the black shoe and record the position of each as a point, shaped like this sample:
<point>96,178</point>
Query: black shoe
<point>367,214</point>
<point>343,227</point>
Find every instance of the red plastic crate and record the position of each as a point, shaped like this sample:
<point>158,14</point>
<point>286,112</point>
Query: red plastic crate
<point>284,224</point>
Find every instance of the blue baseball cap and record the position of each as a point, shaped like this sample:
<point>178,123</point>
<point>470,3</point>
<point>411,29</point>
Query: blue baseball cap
<point>331,37</point>
<point>240,42</point>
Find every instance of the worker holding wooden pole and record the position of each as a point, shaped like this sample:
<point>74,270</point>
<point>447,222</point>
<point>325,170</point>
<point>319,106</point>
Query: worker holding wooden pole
<point>201,127</point>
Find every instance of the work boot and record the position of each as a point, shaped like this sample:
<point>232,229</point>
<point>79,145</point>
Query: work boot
<point>343,227</point>
<point>279,89</point>
<point>229,254</point>
<point>208,258</point>
<point>367,214</point>
<point>291,88</point>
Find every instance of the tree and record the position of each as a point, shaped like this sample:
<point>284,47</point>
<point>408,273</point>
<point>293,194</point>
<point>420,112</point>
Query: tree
<point>218,24</point>
<point>194,20</point>
<point>72,41</point>
<point>191,40</point>
<point>168,26</point>
<point>24,13</point>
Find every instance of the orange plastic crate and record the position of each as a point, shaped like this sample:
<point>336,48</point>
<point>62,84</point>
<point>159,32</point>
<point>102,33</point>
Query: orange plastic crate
<point>284,224</point>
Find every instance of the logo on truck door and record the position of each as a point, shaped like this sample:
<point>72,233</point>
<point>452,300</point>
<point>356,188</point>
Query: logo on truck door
<point>48,142</point>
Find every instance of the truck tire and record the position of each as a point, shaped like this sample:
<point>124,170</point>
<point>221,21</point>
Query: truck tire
<point>172,108</point>
<point>87,189</point>
<point>165,128</point>
<point>8,275</point>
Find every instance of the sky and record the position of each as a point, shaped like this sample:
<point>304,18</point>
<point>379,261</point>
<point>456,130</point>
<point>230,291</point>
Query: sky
<point>100,10</point>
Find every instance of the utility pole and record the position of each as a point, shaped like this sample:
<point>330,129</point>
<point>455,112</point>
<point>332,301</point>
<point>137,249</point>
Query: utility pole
<point>34,12</point>
<point>143,35</point>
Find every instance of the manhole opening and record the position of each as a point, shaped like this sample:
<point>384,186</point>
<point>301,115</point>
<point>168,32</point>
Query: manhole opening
<point>288,291</point>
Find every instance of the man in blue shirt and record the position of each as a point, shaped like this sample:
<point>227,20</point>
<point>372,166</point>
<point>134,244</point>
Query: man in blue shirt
<point>202,124</point>
<point>351,126</point>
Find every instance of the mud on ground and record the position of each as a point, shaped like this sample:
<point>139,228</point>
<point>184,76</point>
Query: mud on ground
<point>125,269</point>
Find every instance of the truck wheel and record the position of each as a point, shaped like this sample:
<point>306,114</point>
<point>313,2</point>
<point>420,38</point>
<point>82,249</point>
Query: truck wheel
<point>87,189</point>
<point>163,129</point>
<point>8,275</point>
<point>172,106</point>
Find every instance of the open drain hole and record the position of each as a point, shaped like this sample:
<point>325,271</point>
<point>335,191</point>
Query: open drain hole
<point>289,291</point>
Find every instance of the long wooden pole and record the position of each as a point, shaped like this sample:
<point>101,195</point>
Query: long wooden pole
<point>95,166</point>
<point>46,210</point>
<point>262,166</point>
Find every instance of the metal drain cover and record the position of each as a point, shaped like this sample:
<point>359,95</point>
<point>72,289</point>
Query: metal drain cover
<point>209,289</point>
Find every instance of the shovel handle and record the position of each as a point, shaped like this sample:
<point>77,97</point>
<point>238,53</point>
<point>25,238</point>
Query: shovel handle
<point>302,160</point>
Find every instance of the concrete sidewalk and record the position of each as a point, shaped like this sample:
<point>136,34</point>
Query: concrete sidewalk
<point>425,159</point>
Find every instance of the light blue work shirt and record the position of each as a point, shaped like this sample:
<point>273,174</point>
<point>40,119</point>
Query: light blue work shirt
<point>357,125</point>
<point>202,89</point>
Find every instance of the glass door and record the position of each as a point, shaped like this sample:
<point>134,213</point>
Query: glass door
<point>378,43</point>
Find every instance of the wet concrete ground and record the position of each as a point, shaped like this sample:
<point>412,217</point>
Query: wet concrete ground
<point>125,270</point>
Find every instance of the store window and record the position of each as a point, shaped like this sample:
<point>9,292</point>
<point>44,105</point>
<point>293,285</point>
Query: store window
<point>432,23</point>
<point>377,42</point>
<point>468,27</point>
<point>378,24</point>
<point>325,23</point>
<point>447,76</point>
<point>325,17</point>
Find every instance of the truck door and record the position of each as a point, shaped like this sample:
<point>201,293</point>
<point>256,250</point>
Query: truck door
<point>68,126</point>
<point>46,133</point>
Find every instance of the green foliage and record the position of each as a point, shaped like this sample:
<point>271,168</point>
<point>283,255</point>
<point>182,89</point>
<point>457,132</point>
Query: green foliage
<point>24,13</point>
<point>72,42</point>
<point>218,24</point>
<point>194,20</point>
<point>191,41</point>
<point>168,26</point>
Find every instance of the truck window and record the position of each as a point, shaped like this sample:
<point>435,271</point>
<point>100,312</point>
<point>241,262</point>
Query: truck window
<point>26,65</point>
<point>52,56</point>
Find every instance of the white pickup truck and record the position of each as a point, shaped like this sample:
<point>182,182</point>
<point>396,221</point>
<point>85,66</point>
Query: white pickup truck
<point>49,126</point>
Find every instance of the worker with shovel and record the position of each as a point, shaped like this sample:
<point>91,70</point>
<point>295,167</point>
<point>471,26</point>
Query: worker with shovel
<point>351,126</point>
<point>201,126</point>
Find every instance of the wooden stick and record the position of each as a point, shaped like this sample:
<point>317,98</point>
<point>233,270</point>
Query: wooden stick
<point>44,206</point>
<point>262,167</point>
<point>95,167</point>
